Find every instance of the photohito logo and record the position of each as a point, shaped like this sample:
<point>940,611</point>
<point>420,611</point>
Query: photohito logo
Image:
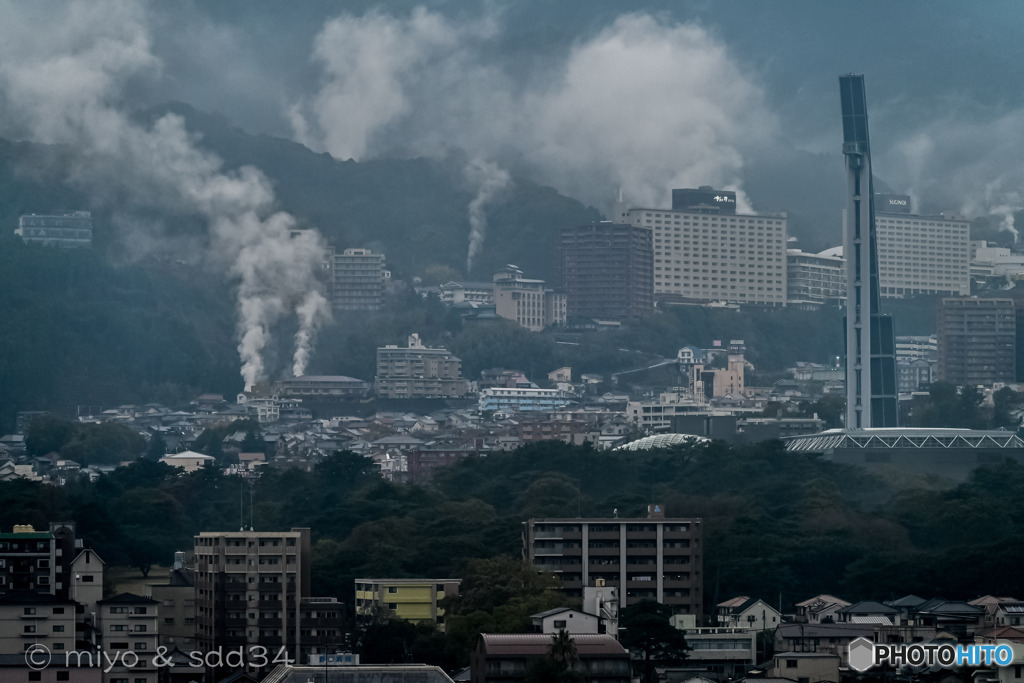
<point>864,654</point>
<point>37,657</point>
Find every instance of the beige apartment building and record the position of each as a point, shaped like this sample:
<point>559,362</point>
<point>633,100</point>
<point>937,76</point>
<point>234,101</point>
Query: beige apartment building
<point>127,625</point>
<point>28,618</point>
<point>418,371</point>
<point>701,256</point>
<point>527,302</point>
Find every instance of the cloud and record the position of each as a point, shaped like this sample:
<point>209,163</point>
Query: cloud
<point>68,89</point>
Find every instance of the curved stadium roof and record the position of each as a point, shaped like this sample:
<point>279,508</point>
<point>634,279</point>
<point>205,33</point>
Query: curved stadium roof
<point>662,441</point>
<point>903,437</point>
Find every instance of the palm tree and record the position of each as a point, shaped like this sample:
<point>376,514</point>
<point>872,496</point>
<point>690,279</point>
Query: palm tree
<point>563,650</point>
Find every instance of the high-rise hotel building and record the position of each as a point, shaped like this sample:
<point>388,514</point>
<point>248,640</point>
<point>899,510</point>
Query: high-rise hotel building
<point>705,251</point>
<point>920,254</point>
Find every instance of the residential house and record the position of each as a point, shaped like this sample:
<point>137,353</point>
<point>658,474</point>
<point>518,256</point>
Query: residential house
<point>869,612</point>
<point>821,609</point>
<point>749,613</point>
<point>807,667</point>
<point>724,652</point>
<point>189,461</point>
<point>565,619</point>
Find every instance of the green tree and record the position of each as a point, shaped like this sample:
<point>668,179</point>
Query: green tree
<point>497,595</point>
<point>157,447</point>
<point>48,433</point>
<point>645,628</point>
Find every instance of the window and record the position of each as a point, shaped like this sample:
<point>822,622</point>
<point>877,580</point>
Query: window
<point>58,610</point>
<point>58,628</point>
<point>392,589</point>
<point>63,675</point>
<point>560,623</point>
<point>35,675</point>
<point>790,663</point>
<point>140,646</point>
<point>88,578</point>
<point>29,610</point>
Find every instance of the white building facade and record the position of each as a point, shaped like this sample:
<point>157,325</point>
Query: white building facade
<point>717,257</point>
<point>923,255</point>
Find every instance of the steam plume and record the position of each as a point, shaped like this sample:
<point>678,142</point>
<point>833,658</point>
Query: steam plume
<point>644,104</point>
<point>489,180</point>
<point>65,90</point>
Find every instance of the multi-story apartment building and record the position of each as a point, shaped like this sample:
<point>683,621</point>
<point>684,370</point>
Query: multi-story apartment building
<point>414,600</point>
<point>358,280</point>
<point>28,560</point>
<point>815,279</point>
<point>651,558</point>
<point>606,270</point>
<point>177,600</point>
<point>522,399</point>
<point>921,254</point>
<point>452,293</point>
<point>323,387</point>
<point>30,618</point>
<point>419,371</point>
<point>527,302</point>
<point>977,341</point>
<point>321,621</point>
<point>127,625</point>
<point>249,589</point>
<point>709,253</point>
<point>53,562</point>
<point>69,229</point>
<point>574,432</point>
<point>657,415</point>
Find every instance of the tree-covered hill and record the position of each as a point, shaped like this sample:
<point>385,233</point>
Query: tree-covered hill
<point>79,332</point>
<point>774,522</point>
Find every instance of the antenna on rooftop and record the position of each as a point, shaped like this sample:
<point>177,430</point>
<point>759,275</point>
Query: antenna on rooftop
<point>241,506</point>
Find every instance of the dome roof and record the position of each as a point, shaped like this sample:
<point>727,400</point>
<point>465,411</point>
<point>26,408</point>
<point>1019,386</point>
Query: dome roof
<point>662,441</point>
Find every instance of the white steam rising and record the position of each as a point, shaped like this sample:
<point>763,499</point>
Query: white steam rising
<point>489,179</point>
<point>643,105</point>
<point>970,157</point>
<point>67,89</point>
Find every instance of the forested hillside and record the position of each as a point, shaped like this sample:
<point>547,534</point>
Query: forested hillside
<point>775,522</point>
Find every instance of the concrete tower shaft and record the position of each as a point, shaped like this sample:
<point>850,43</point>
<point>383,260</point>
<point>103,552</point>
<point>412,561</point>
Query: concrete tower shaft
<point>871,399</point>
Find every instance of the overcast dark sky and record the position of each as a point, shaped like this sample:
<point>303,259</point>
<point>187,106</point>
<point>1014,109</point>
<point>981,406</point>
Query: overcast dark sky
<point>591,95</point>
